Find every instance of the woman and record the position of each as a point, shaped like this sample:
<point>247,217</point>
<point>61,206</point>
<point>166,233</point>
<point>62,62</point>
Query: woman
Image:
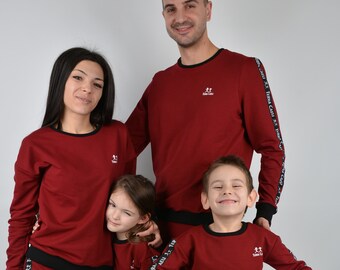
<point>64,170</point>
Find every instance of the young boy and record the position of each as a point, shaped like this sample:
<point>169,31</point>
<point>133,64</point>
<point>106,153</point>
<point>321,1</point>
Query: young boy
<point>228,243</point>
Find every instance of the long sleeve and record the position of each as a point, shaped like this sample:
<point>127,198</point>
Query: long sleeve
<point>281,258</point>
<point>138,124</point>
<point>24,206</point>
<point>262,126</point>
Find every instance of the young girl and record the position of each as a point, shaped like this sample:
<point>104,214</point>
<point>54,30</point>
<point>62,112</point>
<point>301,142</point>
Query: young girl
<point>130,206</point>
<point>65,169</point>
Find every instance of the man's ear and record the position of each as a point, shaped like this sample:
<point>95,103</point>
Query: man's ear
<point>144,219</point>
<point>252,198</point>
<point>209,8</point>
<point>205,201</point>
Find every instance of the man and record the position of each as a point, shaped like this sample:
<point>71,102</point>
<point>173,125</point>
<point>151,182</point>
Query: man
<point>211,103</point>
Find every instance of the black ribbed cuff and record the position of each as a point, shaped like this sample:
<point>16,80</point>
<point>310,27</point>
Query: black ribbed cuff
<point>266,211</point>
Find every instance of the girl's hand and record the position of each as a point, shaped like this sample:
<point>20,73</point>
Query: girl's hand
<point>153,229</point>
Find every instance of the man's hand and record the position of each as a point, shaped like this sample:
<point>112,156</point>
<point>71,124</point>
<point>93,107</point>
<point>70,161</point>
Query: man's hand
<point>262,222</point>
<point>153,229</point>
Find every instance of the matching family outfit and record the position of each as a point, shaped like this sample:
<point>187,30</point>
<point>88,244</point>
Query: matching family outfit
<point>65,179</point>
<point>193,115</point>
<point>200,248</point>
<point>129,256</point>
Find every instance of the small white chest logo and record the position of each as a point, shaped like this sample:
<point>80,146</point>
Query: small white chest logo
<point>208,92</point>
<point>114,159</point>
<point>257,252</point>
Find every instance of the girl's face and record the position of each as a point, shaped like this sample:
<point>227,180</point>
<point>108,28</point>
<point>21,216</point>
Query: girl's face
<point>83,89</point>
<point>122,214</point>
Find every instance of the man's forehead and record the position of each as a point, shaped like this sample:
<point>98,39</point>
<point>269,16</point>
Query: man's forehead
<point>174,2</point>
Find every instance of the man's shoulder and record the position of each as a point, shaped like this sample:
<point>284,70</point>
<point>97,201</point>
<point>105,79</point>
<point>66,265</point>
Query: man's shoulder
<point>166,70</point>
<point>232,57</point>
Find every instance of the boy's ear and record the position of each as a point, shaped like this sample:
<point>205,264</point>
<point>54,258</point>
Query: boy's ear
<point>252,198</point>
<point>205,201</point>
<point>144,219</point>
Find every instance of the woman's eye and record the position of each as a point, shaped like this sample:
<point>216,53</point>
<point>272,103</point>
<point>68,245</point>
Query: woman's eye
<point>77,77</point>
<point>97,85</point>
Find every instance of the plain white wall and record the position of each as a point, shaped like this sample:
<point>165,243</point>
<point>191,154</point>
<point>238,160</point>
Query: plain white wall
<point>298,42</point>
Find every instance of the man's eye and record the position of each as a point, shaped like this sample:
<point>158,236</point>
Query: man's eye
<point>170,10</point>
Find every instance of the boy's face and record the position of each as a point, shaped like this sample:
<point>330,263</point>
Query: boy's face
<point>121,213</point>
<point>228,194</point>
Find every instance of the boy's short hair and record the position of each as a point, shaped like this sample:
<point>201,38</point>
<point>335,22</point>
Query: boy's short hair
<point>227,160</point>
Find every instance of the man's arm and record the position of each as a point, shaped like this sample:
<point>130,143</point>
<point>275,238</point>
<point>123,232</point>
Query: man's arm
<point>263,130</point>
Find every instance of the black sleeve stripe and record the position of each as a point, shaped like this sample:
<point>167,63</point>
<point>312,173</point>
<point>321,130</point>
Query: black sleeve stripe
<point>162,258</point>
<point>276,127</point>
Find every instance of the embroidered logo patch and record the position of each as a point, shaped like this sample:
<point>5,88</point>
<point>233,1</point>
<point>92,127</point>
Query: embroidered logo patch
<point>257,252</point>
<point>208,92</point>
<point>114,159</point>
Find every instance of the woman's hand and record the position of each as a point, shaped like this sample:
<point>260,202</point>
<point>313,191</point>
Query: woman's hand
<point>35,227</point>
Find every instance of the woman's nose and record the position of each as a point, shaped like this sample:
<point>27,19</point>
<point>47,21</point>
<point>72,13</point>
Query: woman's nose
<point>87,87</point>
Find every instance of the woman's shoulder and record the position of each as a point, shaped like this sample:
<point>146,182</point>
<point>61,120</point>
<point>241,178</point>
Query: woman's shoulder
<point>116,124</point>
<point>115,127</point>
<point>39,133</point>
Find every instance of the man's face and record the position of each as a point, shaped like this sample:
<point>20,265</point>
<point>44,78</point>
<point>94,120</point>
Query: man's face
<point>186,20</point>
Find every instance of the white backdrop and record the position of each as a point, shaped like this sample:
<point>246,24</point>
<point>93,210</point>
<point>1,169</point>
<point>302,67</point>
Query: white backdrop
<point>298,42</point>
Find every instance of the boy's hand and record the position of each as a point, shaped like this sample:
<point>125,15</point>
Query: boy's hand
<point>153,229</point>
<point>262,222</point>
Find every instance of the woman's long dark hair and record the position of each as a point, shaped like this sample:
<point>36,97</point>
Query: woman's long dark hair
<point>62,69</point>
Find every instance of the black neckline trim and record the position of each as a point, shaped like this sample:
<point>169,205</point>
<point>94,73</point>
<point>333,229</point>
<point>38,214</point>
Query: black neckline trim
<point>240,231</point>
<point>117,241</point>
<point>179,62</point>
<point>76,135</point>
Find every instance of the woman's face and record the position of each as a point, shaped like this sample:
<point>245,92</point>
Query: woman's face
<point>83,89</point>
